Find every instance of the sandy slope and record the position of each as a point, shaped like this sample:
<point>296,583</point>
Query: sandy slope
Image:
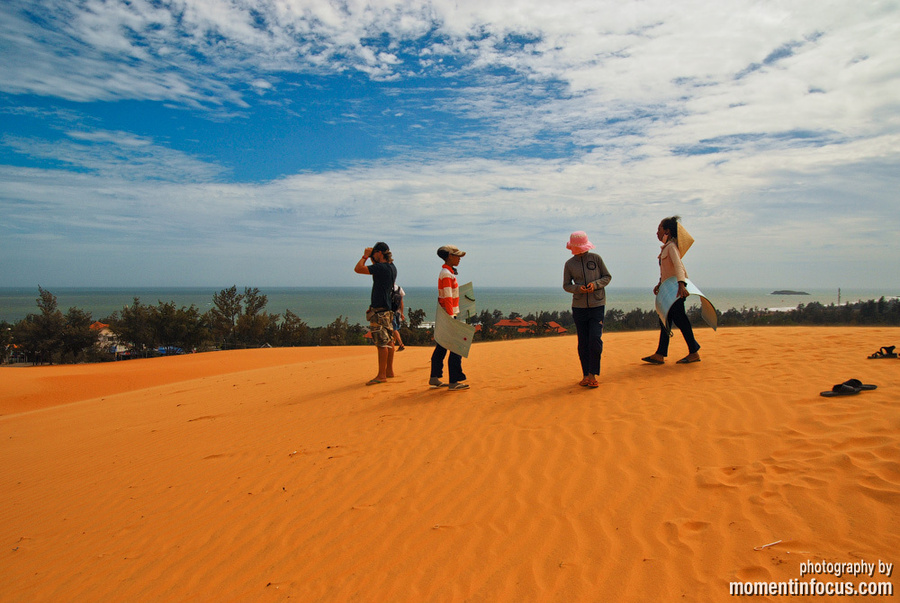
<point>276,474</point>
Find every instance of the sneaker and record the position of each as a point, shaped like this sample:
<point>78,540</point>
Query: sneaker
<point>436,382</point>
<point>458,386</point>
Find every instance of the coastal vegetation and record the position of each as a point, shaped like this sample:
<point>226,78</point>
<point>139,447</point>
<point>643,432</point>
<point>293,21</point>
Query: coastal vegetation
<point>240,320</point>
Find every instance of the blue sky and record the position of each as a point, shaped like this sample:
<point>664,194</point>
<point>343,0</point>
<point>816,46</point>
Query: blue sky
<point>266,143</point>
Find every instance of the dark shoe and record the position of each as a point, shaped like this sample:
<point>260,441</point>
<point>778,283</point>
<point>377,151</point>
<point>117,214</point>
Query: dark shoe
<point>652,360</point>
<point>689,359</point>
<point>841,389</point>
<point>859,384</point>
<point>885,352</point>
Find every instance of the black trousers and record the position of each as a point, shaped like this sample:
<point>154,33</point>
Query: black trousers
<point>589,326</point>
<point>679,318</point>
<point>454,364</point>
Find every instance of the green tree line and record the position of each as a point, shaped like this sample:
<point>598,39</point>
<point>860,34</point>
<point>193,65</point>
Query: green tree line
<point>240,320</point>
<point>236,320</point>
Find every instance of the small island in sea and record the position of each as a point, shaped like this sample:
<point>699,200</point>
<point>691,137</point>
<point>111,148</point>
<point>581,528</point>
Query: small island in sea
<point>788,292</point>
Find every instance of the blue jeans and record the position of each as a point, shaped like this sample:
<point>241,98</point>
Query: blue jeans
<point>589,326</point>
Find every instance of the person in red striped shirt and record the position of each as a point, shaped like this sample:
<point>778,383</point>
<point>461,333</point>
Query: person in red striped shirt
<point>448,299</point>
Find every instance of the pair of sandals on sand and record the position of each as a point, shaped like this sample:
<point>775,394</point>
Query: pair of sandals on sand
<point>885,352</point>
<point>589,382</point>
<point>850,387</point>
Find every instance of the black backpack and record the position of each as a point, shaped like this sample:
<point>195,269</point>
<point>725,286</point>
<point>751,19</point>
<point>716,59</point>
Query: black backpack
<point>396,298</point>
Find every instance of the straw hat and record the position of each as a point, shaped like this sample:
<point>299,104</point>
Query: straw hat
<point>685,240</point>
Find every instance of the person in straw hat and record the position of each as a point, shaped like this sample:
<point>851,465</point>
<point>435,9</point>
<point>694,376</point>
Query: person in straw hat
<point>585,276</point>
<point>675,243</point>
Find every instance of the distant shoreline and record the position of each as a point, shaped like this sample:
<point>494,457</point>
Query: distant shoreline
<point>788,292</point>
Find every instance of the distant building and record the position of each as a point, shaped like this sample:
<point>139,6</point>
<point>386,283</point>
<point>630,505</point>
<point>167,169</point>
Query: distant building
<point>519,324</point>
<point>529,326</point>
<point>555,327</point>
<point>107,340</point>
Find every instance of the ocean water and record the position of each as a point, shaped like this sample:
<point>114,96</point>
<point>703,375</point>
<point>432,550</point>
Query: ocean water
<point>319,306</point>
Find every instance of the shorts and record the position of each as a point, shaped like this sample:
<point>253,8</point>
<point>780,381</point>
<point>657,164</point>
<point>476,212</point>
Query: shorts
<point>380,329</point>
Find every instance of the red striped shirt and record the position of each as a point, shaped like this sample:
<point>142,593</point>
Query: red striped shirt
<point>448,291</point>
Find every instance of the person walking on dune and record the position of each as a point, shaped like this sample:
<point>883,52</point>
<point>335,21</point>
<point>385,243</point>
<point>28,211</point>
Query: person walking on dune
<point>675,243</point>
<point>448,300</point>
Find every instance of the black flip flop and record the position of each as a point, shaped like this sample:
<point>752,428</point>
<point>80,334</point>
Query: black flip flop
<point>885,352</point>
<point>859,385</point>
<point>841,389</point>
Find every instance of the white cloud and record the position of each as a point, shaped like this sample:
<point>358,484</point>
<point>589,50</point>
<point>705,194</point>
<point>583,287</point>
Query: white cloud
<point>608,55</point>
<point>116,155</point>
<point>757,118</point>
<point>507,212</point>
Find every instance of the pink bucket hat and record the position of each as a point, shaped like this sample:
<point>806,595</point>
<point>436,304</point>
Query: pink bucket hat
<point>578,242</point>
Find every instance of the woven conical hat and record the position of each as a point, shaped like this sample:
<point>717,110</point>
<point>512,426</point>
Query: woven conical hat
<point>685,240</point>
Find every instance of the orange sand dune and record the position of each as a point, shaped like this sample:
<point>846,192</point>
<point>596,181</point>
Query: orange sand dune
<point>269,475</point>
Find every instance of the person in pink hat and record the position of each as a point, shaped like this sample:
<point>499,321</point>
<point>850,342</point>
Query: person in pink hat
<point>585,276</point>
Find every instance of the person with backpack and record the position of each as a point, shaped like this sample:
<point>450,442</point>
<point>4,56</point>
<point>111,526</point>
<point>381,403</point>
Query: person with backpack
<point>380,314</point>
<point>397,295</point>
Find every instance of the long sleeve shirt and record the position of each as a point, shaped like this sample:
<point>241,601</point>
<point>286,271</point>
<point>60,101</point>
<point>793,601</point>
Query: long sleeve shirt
<point>582,270</point>
<point>448,290</point>
<point>670,263</point>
